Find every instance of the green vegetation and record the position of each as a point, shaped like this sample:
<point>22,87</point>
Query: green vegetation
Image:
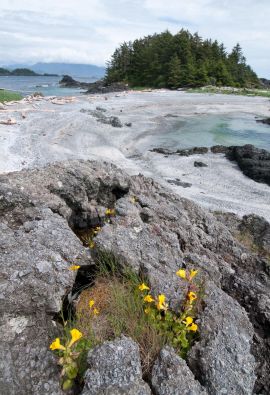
<point>119,302</point>
<point>180,60</point>
<point>18,72</point>
<point>231,91</point>
<point>8,96</point>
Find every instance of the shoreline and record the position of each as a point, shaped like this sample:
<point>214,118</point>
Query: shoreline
<point>52,132</point>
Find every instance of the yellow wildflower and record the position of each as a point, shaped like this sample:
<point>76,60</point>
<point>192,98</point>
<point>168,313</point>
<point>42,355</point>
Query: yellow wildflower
<point>75,336</point>
<point>133,199</point>
<point>74,267</point>
<point>193,273</point>
<point>56,345</point>
<point>192,296</point>
<point>188,321</point>
<point>91,303</point>
<point>97,229</point>
<point>143,287</point>
<point>96,311</point>
<point>148,299</point>
<point>193,327</point>
<point>110,211</point>
<point>181,273</point>
<point>91,244</point>
<point>147,310</point>
<point>161,304</point>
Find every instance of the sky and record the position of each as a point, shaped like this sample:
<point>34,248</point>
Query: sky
<point>88,31</point>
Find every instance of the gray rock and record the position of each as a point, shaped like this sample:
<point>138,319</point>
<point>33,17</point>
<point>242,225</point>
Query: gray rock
<point>199,164</point>
<point>115,368</point>
<point>156,234</point>
<point>171,375</point>
<point>180,183</point>
<point>222,359</point>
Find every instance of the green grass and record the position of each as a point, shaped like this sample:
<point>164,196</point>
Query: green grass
<point>8,96</point>
<point>232,91</point>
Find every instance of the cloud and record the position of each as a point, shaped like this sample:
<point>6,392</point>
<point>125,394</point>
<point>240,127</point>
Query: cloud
<point>87,31</point>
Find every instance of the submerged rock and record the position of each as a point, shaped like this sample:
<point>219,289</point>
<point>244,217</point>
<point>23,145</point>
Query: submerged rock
<point>155,234</point>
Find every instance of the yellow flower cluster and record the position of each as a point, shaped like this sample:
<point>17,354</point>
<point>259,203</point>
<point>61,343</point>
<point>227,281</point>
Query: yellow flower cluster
<point>74,267</point>
<point>91,305</point>
<point>191,326</point>
<point>75,336</point>
<point>186,275</point>
<point>178,328</point>
<point>110,212</point>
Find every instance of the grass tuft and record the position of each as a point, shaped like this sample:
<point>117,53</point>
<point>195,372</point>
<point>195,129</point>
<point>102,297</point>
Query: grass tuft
<point>9,96</point>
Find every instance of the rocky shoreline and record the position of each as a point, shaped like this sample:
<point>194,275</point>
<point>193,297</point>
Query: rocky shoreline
<point>40,211</point>
<point>97,87</point>
<point>254,162</point>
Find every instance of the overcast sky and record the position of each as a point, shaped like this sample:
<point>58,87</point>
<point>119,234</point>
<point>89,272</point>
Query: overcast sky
<point>88,31</point>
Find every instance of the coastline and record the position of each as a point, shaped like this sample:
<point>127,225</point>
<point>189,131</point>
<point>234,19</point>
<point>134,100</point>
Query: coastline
<point>51,132</point>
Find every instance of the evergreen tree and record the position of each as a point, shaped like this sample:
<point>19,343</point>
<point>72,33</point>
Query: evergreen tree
<point>175,78</point>
<point>183,59</point>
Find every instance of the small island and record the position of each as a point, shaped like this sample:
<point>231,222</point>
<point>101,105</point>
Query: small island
<point>23,72</point>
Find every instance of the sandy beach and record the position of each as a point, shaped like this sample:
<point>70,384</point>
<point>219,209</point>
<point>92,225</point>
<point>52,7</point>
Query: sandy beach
<point>47,132</point>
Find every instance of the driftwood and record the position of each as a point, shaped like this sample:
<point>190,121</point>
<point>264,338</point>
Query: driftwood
<point>9,121</point>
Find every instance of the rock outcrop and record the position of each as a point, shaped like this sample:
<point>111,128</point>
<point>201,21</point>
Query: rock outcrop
<point>171,375</point>
<point>115,368</point>
<point>154,233</point>
<point>254,162</point>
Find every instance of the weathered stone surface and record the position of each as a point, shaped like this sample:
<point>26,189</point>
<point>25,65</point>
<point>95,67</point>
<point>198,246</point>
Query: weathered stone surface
<point>222,358</point>
<point>115,368</point>
<point>171,375</point>
<point>155,233</point>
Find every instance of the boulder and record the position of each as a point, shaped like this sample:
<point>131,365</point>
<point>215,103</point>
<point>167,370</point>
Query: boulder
<point>171,375</point>
<point>115,368</point>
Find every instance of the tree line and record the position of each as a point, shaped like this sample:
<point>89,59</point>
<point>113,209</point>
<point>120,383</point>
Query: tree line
<point>180,60</point>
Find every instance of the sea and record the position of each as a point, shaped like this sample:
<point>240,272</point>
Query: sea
<point>49,86</point>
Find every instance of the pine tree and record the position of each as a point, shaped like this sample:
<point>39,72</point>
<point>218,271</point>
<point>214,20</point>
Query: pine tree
<point>175,77</point>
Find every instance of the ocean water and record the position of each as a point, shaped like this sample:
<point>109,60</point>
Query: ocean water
<point>209,130</point>
<point>49,86</point>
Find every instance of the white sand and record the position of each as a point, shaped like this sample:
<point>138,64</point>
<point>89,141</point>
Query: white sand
<point>52,132</point>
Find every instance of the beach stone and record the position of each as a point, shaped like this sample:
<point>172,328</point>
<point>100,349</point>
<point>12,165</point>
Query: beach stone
<point>115,368</point>
<point>180,183</point>
<point>171,375</point>
<point>200,164</point>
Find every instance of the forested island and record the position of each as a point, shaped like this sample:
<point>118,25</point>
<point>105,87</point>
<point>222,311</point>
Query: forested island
<point>23,72</point>
<point>182,60</point>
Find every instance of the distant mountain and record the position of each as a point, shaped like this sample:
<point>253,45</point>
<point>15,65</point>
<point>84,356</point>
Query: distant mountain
<point>72,69</point>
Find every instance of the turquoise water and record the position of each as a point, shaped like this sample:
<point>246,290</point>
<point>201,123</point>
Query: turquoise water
<point>209,130</point>
<point>49,86</point>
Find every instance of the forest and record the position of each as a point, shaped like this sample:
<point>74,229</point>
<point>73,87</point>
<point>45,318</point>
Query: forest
<point>182,60</point>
